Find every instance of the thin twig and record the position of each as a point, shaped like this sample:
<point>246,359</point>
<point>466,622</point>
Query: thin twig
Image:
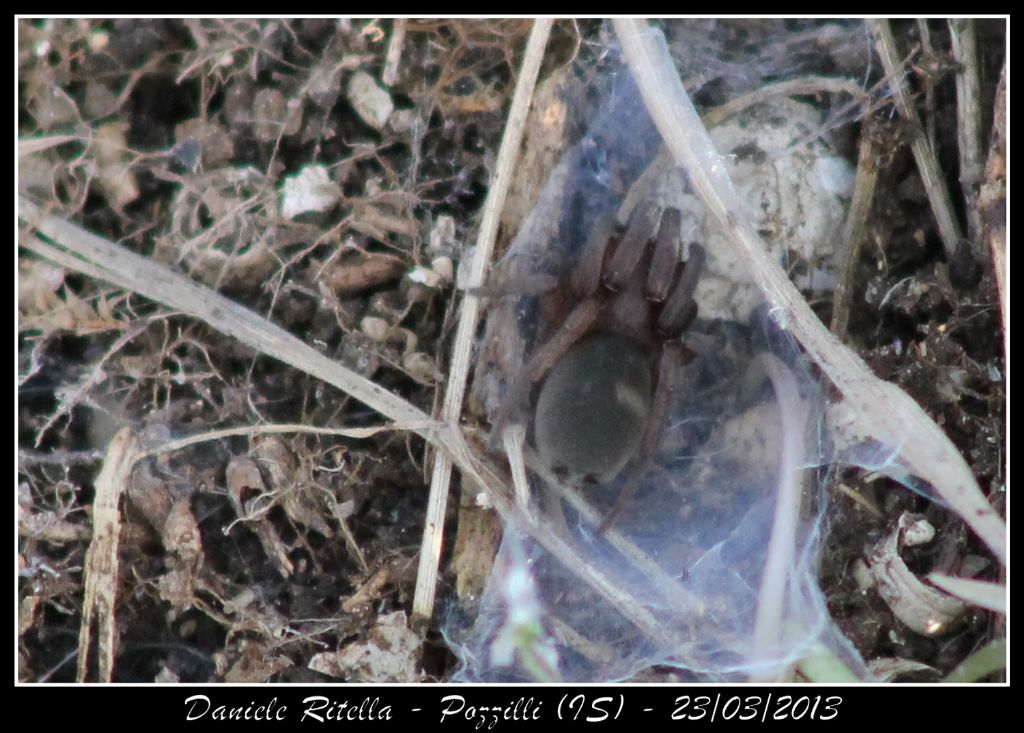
<point>853,231</point>
<point>101,559</point>
<point>465,336</point>
<point>992,200</point>
<point>988,595</point>
<point>805,85</point>
<point>513,439</point>
<point>775,580</point>
<point>928,52</point>
<point>968,112</point>
<point>394,54</point>
<point>58,457</point>
<point>880,410</point>
<point>924,154</point>
<point>279,428</point>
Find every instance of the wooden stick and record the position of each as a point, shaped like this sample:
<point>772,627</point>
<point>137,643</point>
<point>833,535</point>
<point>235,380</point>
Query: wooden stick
<point>465,336</point>
<point>924,154</point>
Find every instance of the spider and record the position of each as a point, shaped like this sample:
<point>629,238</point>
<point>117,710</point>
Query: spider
<point>608,370</point>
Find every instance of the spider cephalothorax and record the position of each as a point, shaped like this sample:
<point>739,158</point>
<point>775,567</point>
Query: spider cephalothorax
<point>608,361</point>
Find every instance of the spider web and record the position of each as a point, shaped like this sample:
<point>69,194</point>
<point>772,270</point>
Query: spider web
<point>693,548</point>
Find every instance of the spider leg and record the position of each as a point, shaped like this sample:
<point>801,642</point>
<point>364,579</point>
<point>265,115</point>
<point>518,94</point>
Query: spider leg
<point>579,321</point>
<point>631,247</point>
<point>674,356</point>
<point>585,278</point>
<point>666,257</point>
<point>680,309</point>
<point>536,284</point>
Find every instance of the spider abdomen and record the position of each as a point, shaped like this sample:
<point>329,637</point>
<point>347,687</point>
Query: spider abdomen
<point>593,407</point>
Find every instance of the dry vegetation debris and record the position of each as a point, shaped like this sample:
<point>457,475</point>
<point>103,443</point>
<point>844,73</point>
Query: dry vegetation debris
<point>292,557</point>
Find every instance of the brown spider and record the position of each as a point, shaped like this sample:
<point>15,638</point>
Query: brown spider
<point>610,366</point>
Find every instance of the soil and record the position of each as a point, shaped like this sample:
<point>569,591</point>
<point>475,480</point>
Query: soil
<point>174,138</point>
